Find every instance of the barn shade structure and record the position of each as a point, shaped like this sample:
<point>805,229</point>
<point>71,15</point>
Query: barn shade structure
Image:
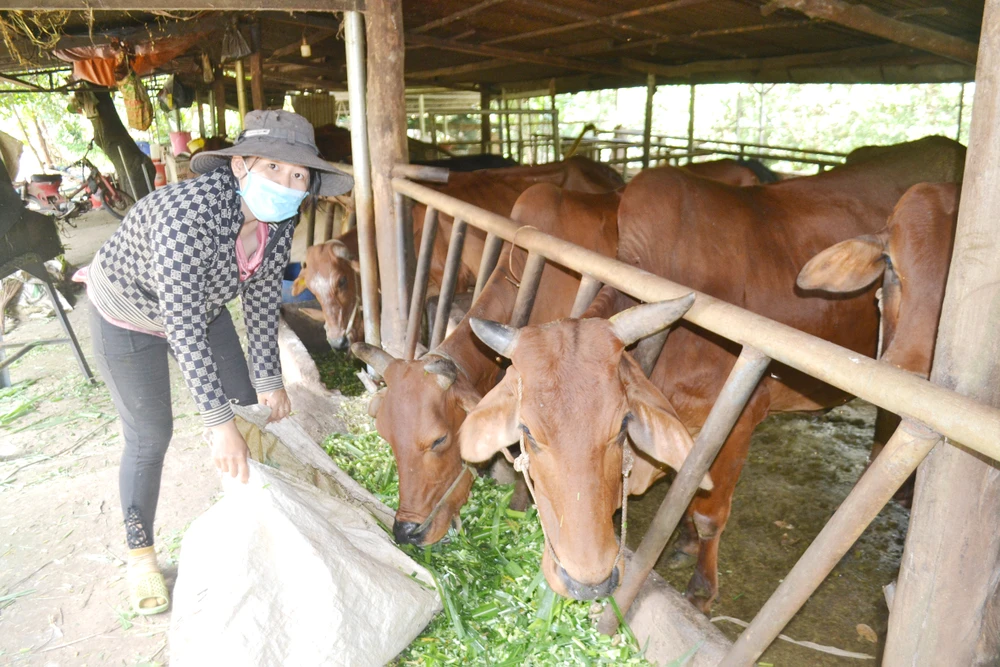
<point>948,600</point>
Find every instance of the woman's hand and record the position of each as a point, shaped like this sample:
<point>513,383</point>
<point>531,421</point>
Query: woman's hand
<point>278,401</point>
<point>229,450</point>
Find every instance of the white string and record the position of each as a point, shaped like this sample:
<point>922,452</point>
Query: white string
<point>810,645</point>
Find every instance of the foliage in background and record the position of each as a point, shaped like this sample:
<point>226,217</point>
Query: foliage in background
<point>834,117</point>
<point>498,610</point>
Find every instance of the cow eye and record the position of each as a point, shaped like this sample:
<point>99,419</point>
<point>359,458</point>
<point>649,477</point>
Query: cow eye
<point>440,441</point>
<point>530,438</point>
<point>342,283</point>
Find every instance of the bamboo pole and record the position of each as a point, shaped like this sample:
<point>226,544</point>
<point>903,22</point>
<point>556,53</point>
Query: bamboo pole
<point>354,42</point>
<point>491,252</point>
<point>452,267</point>
<point>739,387</point>
<point>528,289</point>
<point>959,418</point>
<point>907,447</point>
<point>241,92</point>
<point>485,133</point>
<point>589,287</point>
<point>219,89</point>
<point>690,144</point>
<point>420,282</point>
<point>256,68</point>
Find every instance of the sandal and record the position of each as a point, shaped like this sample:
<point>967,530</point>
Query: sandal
<point>147,589</point>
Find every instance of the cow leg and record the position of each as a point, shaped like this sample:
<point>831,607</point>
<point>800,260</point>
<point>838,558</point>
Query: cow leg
<point>710,511</point>
<point>686,545</point>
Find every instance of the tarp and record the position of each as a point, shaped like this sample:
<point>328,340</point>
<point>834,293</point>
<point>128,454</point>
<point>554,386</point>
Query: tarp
<point>280,572</point>
<point>97,64</point>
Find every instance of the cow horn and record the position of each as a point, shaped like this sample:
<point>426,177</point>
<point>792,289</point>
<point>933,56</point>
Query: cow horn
<point>649,318</point>
<point>445,370</point>
<point>375,357</point>
<point>499,337</point>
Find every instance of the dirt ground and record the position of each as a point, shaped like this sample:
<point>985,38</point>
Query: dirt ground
<point>799,470</point>
<point>63,598</point>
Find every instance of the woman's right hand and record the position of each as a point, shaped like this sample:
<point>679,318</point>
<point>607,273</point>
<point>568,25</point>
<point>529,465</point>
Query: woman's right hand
<point>229,450</point>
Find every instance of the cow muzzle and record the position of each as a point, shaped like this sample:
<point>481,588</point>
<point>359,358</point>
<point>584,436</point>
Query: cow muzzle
<point>408,532</point>
<point>340,344</point>
<point>580,591</point>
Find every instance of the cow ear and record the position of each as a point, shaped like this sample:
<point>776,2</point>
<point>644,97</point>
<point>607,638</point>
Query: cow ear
<point>492,424</point>
<point>356,265</point>
<point>299,286</point>
<point>654,427</point>
<point>376,402</point>
<point>848,266</point>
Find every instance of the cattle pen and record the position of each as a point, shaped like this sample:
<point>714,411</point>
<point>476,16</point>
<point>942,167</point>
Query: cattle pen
<point>950,433</point>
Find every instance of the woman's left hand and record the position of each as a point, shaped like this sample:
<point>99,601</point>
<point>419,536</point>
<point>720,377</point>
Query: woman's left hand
<point>278,401</point>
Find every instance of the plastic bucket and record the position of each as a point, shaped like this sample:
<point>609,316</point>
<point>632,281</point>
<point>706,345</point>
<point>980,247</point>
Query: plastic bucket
<point>144,147</point>
<point>179,142</point>
<point>292,272</point>
<point>161,174</point>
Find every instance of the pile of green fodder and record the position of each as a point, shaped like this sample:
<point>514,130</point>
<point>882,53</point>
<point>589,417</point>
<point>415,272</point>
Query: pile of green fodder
<point>338,370</point>
<point>498,609</point>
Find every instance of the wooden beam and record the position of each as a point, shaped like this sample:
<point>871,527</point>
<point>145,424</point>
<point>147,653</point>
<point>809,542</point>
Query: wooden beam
<point>256,70</point>
<point>219,89</point>
<point>598,20</point>
<point>456,16</point>
<point>299,19</point>
<point>193,5</point>
<point>26,85</point>
<point>517,56</point>
<point>946,603</point>
<point>778,62</point>
<point>149,32</point>
<point>586,48</point>
<point>715,32</point>
<point>863,19</point>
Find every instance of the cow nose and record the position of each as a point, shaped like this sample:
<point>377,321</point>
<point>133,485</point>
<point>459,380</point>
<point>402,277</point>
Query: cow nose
<point>580,591</point>
<point>339,344</point>
<point>405,532</point>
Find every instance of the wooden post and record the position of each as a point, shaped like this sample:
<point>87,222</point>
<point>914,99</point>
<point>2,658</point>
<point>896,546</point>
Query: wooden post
<point>485,133</point>
<point>199,96</point>
<point>945,609</point>
<point>422,113</point>
<point>961,111</point>
<point>647,128</point>
<point>556,139</point>
<point>452,266</point>
<point>387,139</point>
<point>691,125</point>
<point>256,68</point>
<point>363,213</point>
<point>219,86</point>
<point>528,289</point>
<point>423,274</point>
<point>241,91</point>
<point>589,287</point>
<point>491,253</point>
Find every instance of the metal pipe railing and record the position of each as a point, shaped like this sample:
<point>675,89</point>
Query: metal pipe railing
<point>955,416</point>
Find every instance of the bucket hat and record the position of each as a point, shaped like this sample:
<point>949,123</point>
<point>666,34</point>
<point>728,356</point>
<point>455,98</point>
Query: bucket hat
<point>278,135</point>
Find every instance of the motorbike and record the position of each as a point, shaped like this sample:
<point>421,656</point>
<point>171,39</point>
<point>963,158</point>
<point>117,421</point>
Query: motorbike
<point>44,192</point>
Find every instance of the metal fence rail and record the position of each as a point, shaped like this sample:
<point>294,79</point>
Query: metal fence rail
<point>929,412</point>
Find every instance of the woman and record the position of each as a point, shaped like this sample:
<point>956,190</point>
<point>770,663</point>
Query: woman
<point>162,282</point>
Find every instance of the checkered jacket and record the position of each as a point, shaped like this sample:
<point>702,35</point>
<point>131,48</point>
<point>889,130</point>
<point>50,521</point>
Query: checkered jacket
<point>171,268</point>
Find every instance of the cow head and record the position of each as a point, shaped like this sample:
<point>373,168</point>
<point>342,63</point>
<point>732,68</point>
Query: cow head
<point>911,256</point>
<point>419,412</point>
<point>575,395</point>
<point>330,272</point>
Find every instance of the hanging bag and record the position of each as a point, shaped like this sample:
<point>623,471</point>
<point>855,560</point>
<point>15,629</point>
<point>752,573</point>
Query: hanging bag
<point>138,108</point>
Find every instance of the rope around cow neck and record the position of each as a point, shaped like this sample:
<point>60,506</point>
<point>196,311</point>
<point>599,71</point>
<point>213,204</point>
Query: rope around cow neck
<point>522,462</point>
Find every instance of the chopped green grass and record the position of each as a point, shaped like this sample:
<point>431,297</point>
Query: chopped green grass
<point>338,370</point>
<point>498,610</point>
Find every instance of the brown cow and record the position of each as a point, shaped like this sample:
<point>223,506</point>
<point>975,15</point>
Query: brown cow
<point>912,256</point>
<point>741,173</point>
<point>332,276</point>
<point>742,245</point>
<point>425,401</point>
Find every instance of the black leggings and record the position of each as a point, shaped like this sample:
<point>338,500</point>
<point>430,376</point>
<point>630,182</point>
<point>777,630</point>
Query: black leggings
<point>134,367</point>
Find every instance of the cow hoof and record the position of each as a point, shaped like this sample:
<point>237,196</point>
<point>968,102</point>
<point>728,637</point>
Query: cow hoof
<point>680,560</point>
<point>700,597</point>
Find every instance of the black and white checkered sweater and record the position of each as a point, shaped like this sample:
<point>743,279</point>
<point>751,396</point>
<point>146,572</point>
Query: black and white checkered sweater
<point>171,268</point>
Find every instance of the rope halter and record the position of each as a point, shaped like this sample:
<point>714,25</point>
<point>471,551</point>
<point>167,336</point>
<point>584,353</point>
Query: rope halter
<point>522,463</point>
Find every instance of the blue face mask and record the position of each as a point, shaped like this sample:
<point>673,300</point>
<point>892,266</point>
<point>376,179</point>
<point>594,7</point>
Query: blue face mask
<point>270,201</point>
